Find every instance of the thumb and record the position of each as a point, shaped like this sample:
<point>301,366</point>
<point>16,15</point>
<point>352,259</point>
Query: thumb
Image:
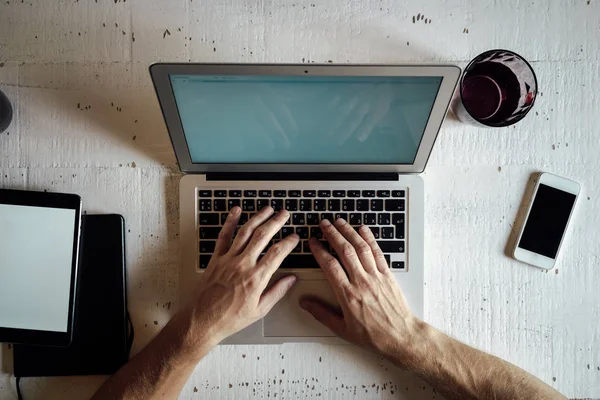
<point>273,294</point>
<point>325,314</point>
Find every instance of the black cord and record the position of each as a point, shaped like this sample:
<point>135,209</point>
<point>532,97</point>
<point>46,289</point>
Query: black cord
<point>19,395</point>
<point>130,334</point>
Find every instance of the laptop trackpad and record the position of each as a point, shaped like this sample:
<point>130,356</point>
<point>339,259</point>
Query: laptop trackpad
<point>288,319</point>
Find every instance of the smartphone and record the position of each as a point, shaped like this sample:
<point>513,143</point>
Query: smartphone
<point>546,221</point>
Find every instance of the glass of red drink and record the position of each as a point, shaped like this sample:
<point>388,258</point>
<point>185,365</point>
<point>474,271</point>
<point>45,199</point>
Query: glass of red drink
<point>498,88</point>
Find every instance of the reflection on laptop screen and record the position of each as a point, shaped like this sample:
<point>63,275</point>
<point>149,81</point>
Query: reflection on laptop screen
<point>304,119</point>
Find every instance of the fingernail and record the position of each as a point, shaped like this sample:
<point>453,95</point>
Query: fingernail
<point>294,236</point>
<point>325,222</point>
<point>235,210</point>
<point>292,280</point>
<point>364,228</point>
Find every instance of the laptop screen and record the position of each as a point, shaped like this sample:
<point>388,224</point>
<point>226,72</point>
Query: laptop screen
<point>304,119</point>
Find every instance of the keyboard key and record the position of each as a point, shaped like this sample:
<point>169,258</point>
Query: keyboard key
<point>205,193</point>
<point>286,231</point>
<point>305,205</point>
<point>248,205</point>
<point>249,193</point>
<point>262,203</point>
<point>302,261</point>
<point>298,248</point>
<point>344,216</point>
<point>368,193</point>
<point>387,232</point>
<point>369,219</point>
<point>232,203</point>
<point>223,218</point>
<point>347,205</point>
<point>305,246</point>
<point>235,193</point>
<point>377,205</point>
<point>309,193</point>
<point>220,205</point>
<point>220,193</point>
<point>294,193</point>
<point>333,205</point>
<point>205,205</point>
<point>362,205</point>
<point>209,219</point>
<point>243,218</point>
<point>277,204</point>
<point>397,218</point>
<point>375,231</point>
<point>391,246</point>
<point>398,264</point>
<point>320,205</point>
<point>383,193</point>
<point>397,193</point>
<point>298,219</point>
<point>387,259</point>
<point>277,235</point>
<point>312,219</point>
<point>324,193</point>
<point>302,231</point>
<point>209,233</point>
<point>400,231</point>
<point>383,219</point>
<point>327,216</point>
<point>315,232</point>
<point>339,193</point>
<point>264,193</point>
<point>204,260</point>
<point>355,219</point>
<point>353,193</point>
<point>279,193</point>
<point>291,204</point>
<point>207,246</point>
<point>394,205</point>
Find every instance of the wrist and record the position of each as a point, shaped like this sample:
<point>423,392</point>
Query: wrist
<point>196,337</point>
<point>412,347</point>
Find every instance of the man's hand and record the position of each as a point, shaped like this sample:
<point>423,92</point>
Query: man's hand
<point>374,313</point>
<point>231,294</point>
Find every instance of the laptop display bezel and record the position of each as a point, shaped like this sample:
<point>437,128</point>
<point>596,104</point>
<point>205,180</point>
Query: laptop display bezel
<point>160,73</point>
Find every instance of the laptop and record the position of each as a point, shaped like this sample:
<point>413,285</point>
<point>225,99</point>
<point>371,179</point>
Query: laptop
<point>322,141</point>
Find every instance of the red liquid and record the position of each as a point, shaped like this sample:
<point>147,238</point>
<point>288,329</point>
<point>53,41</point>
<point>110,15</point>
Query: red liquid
<point>481,96</point>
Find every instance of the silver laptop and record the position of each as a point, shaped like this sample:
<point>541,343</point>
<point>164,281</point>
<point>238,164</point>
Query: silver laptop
<point>322,141</point>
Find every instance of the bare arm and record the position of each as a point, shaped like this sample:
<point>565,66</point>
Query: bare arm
<point>373,314</point>
<point>232,294</point>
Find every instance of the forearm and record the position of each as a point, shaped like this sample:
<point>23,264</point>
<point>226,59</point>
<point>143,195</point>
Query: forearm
<point>460,371</point>
<point>162,368</point>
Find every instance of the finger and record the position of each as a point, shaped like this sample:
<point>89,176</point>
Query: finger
<point>344,250</point>
<point>365,255</point>
<point>332,269</point>
<point>246,231</point>
<point>275,255</point>
<point>226,233</point>
<point>325,314</point>
<point>378,256</point>
<point>263,234</point>
<point>272,295</point>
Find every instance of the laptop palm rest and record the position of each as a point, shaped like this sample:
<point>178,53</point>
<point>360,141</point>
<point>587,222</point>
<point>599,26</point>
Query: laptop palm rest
<point>287,319</point>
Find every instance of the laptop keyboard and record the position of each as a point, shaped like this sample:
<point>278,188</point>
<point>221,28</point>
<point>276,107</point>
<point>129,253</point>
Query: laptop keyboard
<point>383,211</point>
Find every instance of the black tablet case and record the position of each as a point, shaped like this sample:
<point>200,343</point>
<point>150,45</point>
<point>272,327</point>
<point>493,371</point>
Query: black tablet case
<point>100,332</point>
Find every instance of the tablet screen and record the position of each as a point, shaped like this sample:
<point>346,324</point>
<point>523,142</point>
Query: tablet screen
<point>36,258</point>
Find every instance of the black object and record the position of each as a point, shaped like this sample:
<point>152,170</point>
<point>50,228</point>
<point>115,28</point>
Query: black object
<point>6,112</point>
<point>45,200</point>
<point>100,340</point>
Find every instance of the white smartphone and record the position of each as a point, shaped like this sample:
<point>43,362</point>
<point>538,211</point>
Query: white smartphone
<point>546,221</point>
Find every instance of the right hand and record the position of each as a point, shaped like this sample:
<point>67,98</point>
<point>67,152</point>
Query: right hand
<point>372,310</point>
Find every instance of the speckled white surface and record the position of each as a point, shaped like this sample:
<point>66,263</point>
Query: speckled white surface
<point>87,121</point>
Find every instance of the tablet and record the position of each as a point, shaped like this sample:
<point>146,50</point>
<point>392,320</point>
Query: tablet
<point>39,243</point>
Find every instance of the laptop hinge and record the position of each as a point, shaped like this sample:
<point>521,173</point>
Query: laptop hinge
<point>301,176</point>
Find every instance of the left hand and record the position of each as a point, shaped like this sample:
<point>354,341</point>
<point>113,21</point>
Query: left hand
<point>233,293</point>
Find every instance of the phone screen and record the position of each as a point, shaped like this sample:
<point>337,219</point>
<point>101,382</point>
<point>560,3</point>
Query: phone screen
<point>547,221</point>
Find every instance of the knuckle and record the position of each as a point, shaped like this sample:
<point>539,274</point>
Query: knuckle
<point>332,262</point>
<point>348,250</point>
<point>364,249</point>
<point>260,233</point>
<point>276,250</point>
<point>244,231</point>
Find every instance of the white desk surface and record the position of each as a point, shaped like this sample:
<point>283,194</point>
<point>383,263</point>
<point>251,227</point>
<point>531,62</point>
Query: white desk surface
<point>87,121</point>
